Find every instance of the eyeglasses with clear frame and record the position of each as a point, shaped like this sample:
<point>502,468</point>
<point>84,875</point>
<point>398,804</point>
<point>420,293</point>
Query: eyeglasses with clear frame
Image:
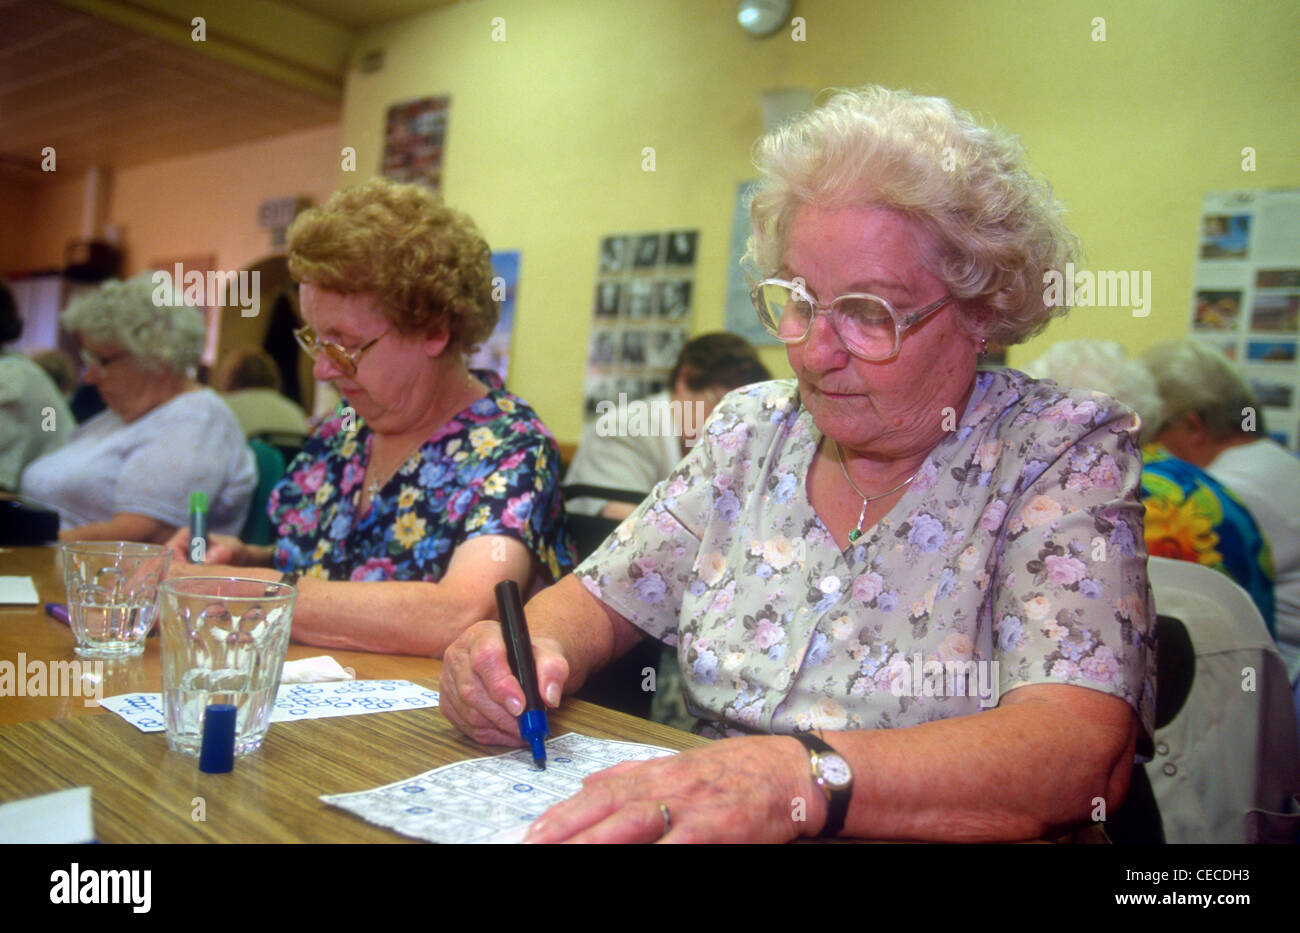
<point>345,359</point>
<point>869,326</point>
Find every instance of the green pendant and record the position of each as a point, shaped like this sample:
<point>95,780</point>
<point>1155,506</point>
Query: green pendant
<point>854,535</point>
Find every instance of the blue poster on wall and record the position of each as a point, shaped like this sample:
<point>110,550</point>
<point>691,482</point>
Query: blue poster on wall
<point>494,354</point>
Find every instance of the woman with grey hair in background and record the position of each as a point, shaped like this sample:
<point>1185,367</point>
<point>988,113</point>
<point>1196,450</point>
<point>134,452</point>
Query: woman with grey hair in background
<point>127,473</point>
<point>1190,515</point>
<point>1212,419</point>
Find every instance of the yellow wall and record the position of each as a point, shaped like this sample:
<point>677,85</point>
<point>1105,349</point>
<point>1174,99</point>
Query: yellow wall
<point>547,129</point>
<point>207,204</point>
<point>191,206</point>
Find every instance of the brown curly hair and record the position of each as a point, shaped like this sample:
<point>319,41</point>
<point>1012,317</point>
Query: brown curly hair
<point>426,264</point>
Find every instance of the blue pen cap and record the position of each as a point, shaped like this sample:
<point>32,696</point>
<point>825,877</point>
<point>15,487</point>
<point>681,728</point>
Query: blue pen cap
<point>534,729</point>
<point>217,753</point>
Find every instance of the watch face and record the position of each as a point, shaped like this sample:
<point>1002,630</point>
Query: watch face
<point>835,771</point>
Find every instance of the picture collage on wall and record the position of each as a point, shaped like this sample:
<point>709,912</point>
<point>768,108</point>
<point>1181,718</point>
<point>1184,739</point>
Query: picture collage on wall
<point>1246,297</point>
<point>641,314</point>
<point>414,134</point>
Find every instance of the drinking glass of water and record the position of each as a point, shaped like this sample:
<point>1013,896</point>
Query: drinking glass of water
<point>113,594</point>
<point>223,641</point>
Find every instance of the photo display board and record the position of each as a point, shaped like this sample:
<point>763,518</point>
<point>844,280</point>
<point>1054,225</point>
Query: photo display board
<point>1246,296</point>
<point>641,314</point>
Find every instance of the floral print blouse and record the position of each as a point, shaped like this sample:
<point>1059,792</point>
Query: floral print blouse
<point>1017,547</point>
<point>1192,516</point>
<point>493,469</point>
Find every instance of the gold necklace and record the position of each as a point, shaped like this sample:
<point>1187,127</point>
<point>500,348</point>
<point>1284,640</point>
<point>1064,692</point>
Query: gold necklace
<point>856,533</point>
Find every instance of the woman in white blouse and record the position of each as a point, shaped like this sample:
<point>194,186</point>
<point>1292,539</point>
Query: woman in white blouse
<point>127,473</point>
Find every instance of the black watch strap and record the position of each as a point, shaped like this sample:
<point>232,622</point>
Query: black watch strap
<point>837,800</point>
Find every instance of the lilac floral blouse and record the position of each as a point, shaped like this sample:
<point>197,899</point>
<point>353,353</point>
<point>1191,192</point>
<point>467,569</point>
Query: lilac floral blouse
<point>1015,557</point>
<point>493,469</point>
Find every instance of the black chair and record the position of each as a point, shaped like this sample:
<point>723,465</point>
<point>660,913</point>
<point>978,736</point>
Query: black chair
<point>24,522</point>
<point>590,531</point>
<point>1137,821</point>
<point>618,686</point>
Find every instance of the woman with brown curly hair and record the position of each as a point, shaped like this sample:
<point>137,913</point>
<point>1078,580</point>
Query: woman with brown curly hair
<point>428,472</point>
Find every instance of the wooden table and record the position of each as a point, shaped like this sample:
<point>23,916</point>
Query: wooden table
<point>28,631</point>
<point>144,793</point>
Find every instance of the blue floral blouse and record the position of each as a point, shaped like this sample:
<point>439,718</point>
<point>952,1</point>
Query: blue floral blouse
<point>493,469</point>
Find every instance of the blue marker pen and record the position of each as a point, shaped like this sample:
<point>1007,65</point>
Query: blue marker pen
<point>519,649</point>
<point>198,527</point>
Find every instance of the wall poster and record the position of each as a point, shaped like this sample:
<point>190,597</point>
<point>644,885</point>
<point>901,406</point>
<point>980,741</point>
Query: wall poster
<point>494,353</point>
<point>641,314</point>
<point>1246,296</point>
<point>414,134</point>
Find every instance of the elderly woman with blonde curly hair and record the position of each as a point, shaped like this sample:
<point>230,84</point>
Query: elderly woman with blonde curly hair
<point>909,597</point>
<point>430,483</point>
<point>127,473</point>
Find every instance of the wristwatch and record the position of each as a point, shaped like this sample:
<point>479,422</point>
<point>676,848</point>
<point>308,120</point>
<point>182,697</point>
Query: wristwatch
<point>833,775</point>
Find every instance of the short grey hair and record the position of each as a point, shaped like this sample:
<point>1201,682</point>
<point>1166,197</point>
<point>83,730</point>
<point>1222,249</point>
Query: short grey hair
<point>997,228</point>
<point>1104,366</point>
<point>1194,377</point>
<point>158,335</point>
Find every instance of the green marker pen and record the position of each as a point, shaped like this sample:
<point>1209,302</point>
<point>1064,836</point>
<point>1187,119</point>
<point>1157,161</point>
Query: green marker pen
<point>198,527</point>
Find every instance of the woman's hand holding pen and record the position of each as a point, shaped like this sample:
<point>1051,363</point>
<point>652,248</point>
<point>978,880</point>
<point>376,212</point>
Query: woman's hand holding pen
<point>481,696</point>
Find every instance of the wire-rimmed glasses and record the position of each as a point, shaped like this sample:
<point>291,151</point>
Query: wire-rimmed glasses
<point>345,359</point>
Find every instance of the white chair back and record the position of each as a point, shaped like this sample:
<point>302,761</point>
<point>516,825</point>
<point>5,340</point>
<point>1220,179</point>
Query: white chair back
<point>1227,767</point>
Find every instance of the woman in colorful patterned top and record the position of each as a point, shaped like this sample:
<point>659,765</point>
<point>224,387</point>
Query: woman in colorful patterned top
<point>428,474</point>
<point>942,570</point>
<point>1190,515</point>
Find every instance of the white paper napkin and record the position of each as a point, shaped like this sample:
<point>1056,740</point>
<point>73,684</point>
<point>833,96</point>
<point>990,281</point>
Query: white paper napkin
<point>318,670</point>
<point>18,591</point>
<point>62,817</point>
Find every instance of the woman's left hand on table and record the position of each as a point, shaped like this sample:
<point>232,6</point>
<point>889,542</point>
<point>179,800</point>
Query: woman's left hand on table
<point>736,790</point>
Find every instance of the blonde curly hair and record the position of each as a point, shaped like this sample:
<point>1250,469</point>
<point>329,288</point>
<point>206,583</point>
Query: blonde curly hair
<point>426,264</point>
<point>997,228</point>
